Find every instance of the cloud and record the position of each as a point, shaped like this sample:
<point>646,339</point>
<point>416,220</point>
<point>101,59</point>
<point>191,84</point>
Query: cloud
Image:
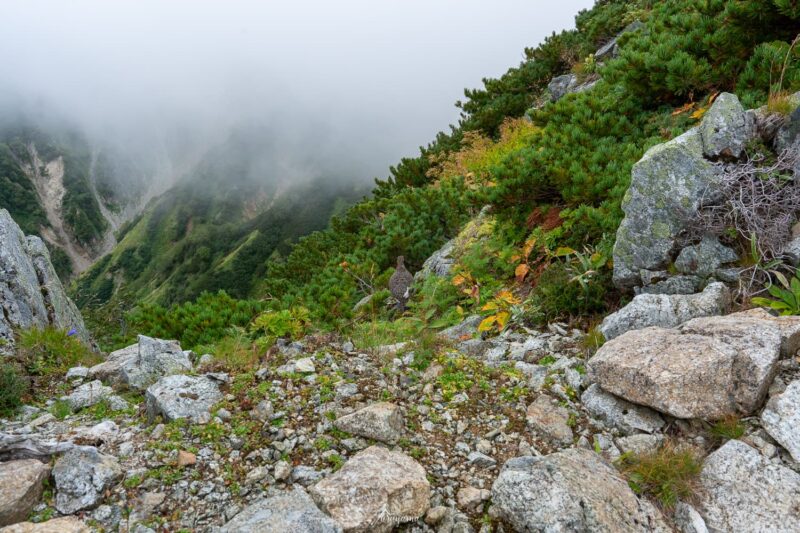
<point>360,82</point>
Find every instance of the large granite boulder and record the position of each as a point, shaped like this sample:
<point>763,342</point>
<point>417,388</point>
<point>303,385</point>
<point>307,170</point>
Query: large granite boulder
<point>374,491</point>
<point>743,492</point>
<point>81,477</point>
<point>181,396</point>
<point>21,486</point>
<point>781,419</point>
<point>708,368</point>
<point>381,421</point>
<point>572,490</point>
<point>31,295</point>
<point>666,310</point>
<point>292,512</point>
<point>668,186</point>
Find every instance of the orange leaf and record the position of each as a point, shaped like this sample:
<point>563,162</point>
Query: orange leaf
<point>521,271</point>
<point>459,280</point>
<point>683,109</point>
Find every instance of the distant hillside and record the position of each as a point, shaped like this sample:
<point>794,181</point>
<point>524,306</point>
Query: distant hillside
<point>71,194</point>
<point>214,230</point>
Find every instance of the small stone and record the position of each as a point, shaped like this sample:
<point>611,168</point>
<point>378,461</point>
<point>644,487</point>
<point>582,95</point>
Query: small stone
<point>469,498</point>
<point>550,420</point>
<point>282,470</point>
<point>262,411</point>
<point>88,394</point>
<point>79,372</point>
<point>616,412</point>
<point>82,477</point>
<point>640,444</point>
<point>305,365</point>
<point>781,419</point>
<point>181,396</point>
<point>186,458</point>
<point>481,460</point>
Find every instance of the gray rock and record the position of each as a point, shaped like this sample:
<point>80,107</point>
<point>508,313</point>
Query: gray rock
<point>726,128</point>
<point>110,370</point>
<point>561,85</point>
<point>611,48</point>
<point>781,419</point>
<point>31,294</point>
<point>181,396</point>
<point>666,311</point>
<point>381,421</point>
<point>668,186</point>
<point>465,330</point>
<point>549,420</point>
<point>156,358</point>
<point>88,394</point>
<point>481,460</point>
<point>688,520</point>
<point>440,263</point>
<point>709,368</point>
<point>374,491</point>
<point>616,412</point>
<point>305,475</point>
<point>77,372</point>
<point>704,258</point>
<point>671,285</point>
<point>571,490</point>
<point>21,486</point>
<point>81,477</point>
<point>742,491</point>
<point>292,512</point>
<point>640,444</point>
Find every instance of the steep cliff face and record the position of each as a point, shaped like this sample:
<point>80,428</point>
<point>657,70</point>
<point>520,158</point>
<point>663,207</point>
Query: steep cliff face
<point>31,294</point>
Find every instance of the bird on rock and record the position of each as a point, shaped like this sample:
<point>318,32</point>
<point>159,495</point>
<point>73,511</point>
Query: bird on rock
<point>400,283</point>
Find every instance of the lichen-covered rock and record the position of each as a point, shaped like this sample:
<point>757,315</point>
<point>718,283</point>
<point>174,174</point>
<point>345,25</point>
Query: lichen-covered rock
<point>708,368</point>
<point>156,358</point>
<point>181,396</point>
<point>781,419</point>
<point>572,490</point>
<point>82,477</point>
<point>21,486</point>
<point>665,310</point>
<point>88,394</point>
<point>374,491</point>
<point>31,295</point>
<point>65,524</point>
<point>741,491</point>
<point>292,512</point>
<point>616,412</point>
<point>667,188</point>
<point>726,128</point>
<point>381,421</point>
<point>704,258</point>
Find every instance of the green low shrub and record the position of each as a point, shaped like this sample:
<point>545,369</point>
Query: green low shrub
<point>13,387</point>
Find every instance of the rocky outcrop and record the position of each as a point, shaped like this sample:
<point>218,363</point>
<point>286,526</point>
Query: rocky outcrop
<point>781,419</point>
<point>741,491</point>
<point>668,187</point>
<point>88,394</point>
<point>707,368</point>
<point>156,358</point>
<point>374,491</point>
<point>380,421</point>
<point>572,490</point>
<point>82,477</point>
<point>666,310</point>
<point>292,512</point>
<point>31,295</point>
<point>180,396</point>
<point>21,486</point>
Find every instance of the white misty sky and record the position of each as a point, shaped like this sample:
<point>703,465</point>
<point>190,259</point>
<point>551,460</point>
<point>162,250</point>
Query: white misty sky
<point>376,78</point>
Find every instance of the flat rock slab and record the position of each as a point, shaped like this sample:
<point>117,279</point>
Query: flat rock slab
<point>66,524</point>
<point>293,512</point>
<point>781,419</point>
<point>550,420</point>
<point>627,417</point>
<point>743,492</point>
<point>380,421</point>
<point>374,491</point>
<point>82,477</point>
<point>666,310</point>
<point>182,396</point>
<point>707,368</point>
<point>21,485</point>
<point>572,490</point>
